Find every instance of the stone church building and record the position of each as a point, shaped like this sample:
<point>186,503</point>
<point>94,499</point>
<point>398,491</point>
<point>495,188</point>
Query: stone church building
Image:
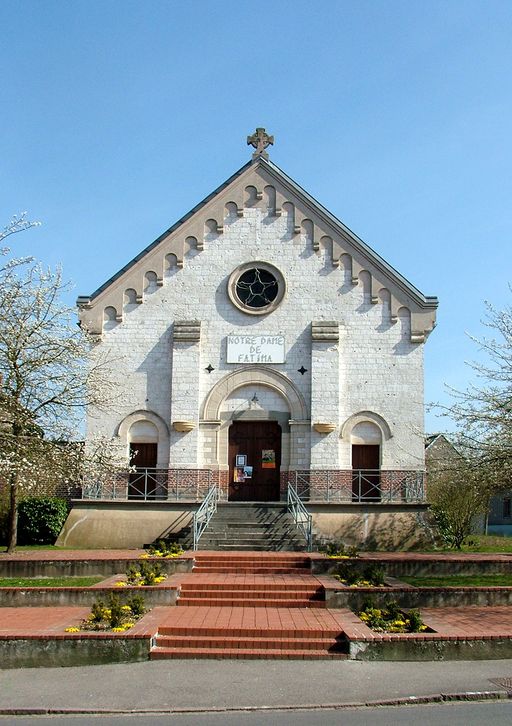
<point>261,344</point>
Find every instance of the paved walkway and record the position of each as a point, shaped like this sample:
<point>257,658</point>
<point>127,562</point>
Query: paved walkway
<point>41,622</point>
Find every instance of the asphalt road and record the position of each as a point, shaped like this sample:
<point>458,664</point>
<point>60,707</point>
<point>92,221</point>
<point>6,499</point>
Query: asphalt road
<point>453,714</point>
<point>203,684</point>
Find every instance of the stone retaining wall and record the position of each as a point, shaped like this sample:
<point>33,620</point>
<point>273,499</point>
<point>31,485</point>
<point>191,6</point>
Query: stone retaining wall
<point>82,568</point>
<point>413,597</point>
<point>39,652</point>
<point>74,596</point>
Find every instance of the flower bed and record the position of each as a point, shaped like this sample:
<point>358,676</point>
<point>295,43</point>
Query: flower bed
<point>352,574</point>
<point>145,574</point>
<point>163,549</point>
<point>112,615</point>
<point>390,618</point>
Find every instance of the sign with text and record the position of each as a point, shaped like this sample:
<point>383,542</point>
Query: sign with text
<point>255,349</point>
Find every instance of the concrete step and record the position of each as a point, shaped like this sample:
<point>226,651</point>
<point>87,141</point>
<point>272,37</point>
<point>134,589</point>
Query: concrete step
<point>263,547</point>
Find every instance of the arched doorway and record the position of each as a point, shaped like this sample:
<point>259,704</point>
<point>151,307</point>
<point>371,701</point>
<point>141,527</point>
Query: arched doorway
<point>143,452</point>
<point>366,441</point>
<point>254,461</point>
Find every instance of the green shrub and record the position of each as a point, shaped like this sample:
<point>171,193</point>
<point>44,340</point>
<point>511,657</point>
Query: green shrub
<point>337,548</point>
<point>374,574</point>
<point>161,548</point>
<point>40,519</point>
<point>137,606</point>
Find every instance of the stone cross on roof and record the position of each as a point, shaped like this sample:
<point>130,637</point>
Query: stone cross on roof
<point>260,140</point>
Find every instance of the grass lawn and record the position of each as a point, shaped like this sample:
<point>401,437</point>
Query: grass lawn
<point>483,543</point>
<point>494,580</point>
<point>49,581</point>
<point>37,548</point>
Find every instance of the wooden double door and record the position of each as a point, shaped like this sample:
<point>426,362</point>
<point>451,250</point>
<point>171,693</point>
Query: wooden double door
<point>254,461</point>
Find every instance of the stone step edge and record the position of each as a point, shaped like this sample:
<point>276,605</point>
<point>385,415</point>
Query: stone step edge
<point>242,653</point>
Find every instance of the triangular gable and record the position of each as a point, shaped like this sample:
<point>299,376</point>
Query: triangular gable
<point>257,183</point>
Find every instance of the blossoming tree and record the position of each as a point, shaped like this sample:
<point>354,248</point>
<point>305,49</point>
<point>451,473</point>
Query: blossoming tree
<point>46,381</point>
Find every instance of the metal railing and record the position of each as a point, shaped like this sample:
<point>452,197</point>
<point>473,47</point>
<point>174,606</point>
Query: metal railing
<point>360,486</point>
<point>150,484</point>
<point>204,514</point>
<point>302,518</point>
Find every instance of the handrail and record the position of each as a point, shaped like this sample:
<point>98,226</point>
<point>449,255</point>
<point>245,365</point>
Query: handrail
<point>302,518</point>
<point>204,513</point>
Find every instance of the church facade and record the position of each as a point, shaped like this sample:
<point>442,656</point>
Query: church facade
<point>260,344</point>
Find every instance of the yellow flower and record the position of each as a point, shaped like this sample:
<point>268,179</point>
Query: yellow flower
<point>121,584</point>
<point>118,630</point>
<point>144,556</point>
<point>126,608</point>
<point>72,630</point>
<point>128,625</point>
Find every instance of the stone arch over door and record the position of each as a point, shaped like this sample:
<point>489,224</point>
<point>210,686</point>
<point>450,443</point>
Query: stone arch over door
<point>215,423</point>
<point>162,431</point>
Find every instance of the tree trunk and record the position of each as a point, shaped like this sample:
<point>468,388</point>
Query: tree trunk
<point>13,513</point>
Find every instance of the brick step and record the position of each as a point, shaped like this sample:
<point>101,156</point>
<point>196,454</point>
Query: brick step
<point>240,602</point>
<point>206,631</point>
<point>226,569</point>
<point>226,641</point>
<point>249,594</point>
<point>243,653</point>
<point>252,586</point>
<point>249,559</point>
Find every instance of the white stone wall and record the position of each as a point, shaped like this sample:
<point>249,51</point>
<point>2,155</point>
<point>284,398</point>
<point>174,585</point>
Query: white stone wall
<point>374,367</point>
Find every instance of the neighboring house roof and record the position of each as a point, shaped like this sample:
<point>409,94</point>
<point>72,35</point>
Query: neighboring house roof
<point>347,247</point>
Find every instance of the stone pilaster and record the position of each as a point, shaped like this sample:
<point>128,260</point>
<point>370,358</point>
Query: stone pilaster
<point>324,394</point>
<point>186,350</point>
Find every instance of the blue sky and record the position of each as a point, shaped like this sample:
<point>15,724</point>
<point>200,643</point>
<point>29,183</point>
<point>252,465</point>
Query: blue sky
<point>118,117</point>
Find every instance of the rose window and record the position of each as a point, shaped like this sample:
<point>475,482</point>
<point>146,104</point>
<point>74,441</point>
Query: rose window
<point>256,288</point>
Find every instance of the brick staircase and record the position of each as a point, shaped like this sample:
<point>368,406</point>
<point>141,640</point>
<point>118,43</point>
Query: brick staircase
<point>250,605</point>
<point>255,564</point>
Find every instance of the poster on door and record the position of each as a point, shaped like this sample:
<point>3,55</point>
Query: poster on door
<point>268,459</point>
